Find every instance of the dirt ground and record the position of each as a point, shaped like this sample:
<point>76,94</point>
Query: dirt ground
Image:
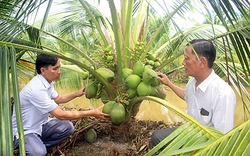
<point>129,139</point>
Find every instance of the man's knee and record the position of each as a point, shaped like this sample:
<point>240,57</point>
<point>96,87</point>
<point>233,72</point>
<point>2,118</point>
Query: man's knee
<point>155,139</point>
<point>38,151</point>
<point>34,145</point>
<point>159,135</point>
<point>70,127</point>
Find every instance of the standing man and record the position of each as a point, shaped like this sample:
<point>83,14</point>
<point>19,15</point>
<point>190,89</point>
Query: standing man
<point>211,101</point>
<point>38,99</point>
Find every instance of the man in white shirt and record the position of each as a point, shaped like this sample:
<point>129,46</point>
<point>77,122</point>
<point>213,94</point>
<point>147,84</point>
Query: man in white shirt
<point>211,101</point>
<point>38,99</point>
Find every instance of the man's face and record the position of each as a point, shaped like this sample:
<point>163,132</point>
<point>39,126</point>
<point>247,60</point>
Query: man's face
<point>191,63</point>
<point>52,73</point>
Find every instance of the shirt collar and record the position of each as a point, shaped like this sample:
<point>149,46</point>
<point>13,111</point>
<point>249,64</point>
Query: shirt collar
<point>203,86</point>
<point>44,81</point>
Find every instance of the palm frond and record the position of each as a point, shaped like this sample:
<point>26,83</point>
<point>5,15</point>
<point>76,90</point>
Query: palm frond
<point>192,138</point>
<point>235,142</point>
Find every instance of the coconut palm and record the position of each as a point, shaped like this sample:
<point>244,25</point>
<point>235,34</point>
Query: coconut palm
<point>127,38</point>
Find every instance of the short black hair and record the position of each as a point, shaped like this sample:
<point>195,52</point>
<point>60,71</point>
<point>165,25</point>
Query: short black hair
<point>44,60</point>
<point>204,48</point>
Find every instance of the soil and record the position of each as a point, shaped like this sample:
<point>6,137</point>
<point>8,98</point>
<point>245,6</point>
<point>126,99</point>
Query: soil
<point>127,139</point>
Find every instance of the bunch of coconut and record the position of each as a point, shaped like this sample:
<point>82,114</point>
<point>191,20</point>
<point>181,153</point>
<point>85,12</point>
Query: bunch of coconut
<point>152,61</point>
<point>94,89</point>
<point>142,80</point>
<point>114,109</point>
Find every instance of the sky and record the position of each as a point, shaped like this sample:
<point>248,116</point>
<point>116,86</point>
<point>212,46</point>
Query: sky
<point>103,7</point>
<point>157,5</point>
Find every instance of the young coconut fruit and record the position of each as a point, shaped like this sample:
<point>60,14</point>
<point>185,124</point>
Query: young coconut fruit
<point>148,75</point>
<point>148,67</point>
<point>126,72</point>
<point>85,75</point>
<point>132,81</point>
<point>117,114</point>
<point>144,89</point>
<point>154,82</point>
<point>151,56</point>
<point>106,73</point>
<point>150,62</point>
<point>90,135</point>
<point>108,107</point>
<point>159,92</point>
<point>156,64</point>
<point>104,97</point>
<point>138,68</point>
<point>91,90</point>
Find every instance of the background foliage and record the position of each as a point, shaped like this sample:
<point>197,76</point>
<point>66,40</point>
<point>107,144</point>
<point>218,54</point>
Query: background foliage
<point>79,34</point>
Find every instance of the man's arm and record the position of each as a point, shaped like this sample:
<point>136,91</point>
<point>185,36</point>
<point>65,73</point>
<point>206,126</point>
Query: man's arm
<point>164,79</point>
<point>66,98</point>
<point>72,115</point>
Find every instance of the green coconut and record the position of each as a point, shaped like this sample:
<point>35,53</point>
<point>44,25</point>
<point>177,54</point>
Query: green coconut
<point>154,82</point>
<point>108,107</point>
<point>138,68</point>
<point>148,67</point>
<point>148,75</point>
<point>131,93</point>
<point>106,73</point>
<point>104,97</point>
<point>91,90</point>
<point>85,75</point>
<point>159,92</point>
<point>132,81</point>
<point>156,64</point>
<point>110,58</point>
<point>144,89</point>
<point>108,48</point>
<point>117,114</point>
<point>151,56</point>
<point>126,72</point>
<point>90,135</point>
<point>150,62</point>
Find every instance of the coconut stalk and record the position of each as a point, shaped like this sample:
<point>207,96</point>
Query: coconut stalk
<point>6,144</point>
<point>127,23</point>
<point>15,87</point>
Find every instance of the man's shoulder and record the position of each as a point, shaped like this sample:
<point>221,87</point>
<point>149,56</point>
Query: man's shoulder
<point>219,81</point>
<point>34,83</point>
<point>222,85</point>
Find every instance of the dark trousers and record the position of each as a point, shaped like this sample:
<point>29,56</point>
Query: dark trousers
<point>159,135</point>
<point>53,133</point>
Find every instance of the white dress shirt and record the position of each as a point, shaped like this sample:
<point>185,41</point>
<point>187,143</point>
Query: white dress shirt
<point>36,103</point>
<point>216,98</point>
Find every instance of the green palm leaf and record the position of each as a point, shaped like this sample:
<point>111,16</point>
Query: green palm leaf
<point>194,138</point>
<point>235,142</point>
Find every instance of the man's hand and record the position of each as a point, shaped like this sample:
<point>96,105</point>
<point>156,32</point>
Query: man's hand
<point>80,92</point>
<point>163,78</point>
<point>97,112</point>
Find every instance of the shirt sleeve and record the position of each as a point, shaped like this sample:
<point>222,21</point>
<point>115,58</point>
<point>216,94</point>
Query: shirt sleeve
<point>54,93</point>
<point>223,115</point>
<point>188,88</point>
